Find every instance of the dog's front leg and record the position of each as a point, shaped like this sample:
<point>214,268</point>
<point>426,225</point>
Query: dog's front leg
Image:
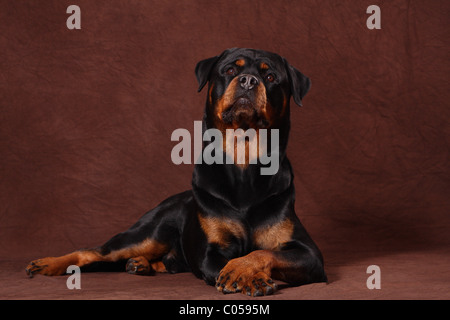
<point>213,262</point>
<point>252,274</point>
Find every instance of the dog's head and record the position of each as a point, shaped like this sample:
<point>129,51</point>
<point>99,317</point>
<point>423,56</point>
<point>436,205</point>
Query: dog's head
<point>249,88</point>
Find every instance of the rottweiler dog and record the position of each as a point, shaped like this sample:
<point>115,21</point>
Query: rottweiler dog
<point>236,229</point>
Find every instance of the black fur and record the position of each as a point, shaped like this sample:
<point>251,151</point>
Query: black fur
<point>231,193</point>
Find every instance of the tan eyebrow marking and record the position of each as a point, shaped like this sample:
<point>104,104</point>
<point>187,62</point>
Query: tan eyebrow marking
<point>240,62</point>
<point>263,66</point>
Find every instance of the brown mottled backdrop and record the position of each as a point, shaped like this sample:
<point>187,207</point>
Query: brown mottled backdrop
<point>86,118</point>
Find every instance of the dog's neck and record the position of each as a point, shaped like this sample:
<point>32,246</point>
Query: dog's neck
<point>248,187</point>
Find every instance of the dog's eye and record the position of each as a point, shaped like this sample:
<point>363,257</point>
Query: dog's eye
<point>270,78</point>
<point>230,71</point>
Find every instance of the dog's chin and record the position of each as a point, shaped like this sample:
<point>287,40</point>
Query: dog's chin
<point>244,115</point>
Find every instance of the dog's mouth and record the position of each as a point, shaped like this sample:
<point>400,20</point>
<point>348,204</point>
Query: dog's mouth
<point>243,108</point>
<point>243,114</point>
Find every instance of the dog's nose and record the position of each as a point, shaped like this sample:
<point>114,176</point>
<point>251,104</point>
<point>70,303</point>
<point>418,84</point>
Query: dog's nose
<point>248,81</point>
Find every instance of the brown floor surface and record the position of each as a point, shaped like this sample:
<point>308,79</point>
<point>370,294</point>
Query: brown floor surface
<point>410,275</point>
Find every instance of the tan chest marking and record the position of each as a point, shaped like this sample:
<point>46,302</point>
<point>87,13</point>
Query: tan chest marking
<point>220,230</point>
<point>273,236</point>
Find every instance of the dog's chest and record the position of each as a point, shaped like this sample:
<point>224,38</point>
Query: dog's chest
<point>225,232</point>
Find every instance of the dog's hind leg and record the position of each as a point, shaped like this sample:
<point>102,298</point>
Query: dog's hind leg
<point>147,250</point>
<point>153,238</point>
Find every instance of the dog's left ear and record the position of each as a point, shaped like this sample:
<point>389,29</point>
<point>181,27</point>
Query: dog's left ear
<point>203,70</point>
<point>300,84</point>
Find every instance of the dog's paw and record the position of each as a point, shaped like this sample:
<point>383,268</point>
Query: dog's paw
<point>239,276</point>
<point>140,266</point>
<point>47,266</point>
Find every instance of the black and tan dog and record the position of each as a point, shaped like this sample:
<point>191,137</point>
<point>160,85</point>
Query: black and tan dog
<point>236,228</point>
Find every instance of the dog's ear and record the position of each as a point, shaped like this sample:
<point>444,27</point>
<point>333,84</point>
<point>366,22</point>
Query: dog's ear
<point>203,70</point>
<point>300,84</point>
